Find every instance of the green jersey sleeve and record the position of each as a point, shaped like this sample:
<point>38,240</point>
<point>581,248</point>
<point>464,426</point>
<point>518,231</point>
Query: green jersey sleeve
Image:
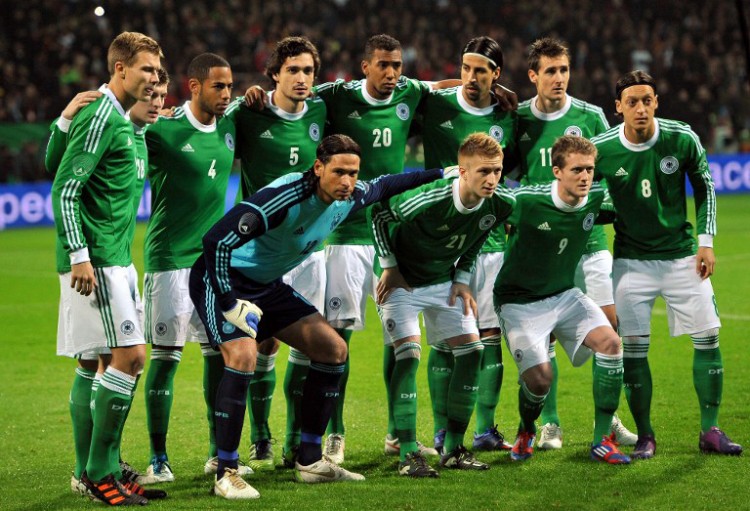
<point>57,143</point>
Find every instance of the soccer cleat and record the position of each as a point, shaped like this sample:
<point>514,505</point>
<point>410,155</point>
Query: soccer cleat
<point>334,448</point>
<point>137,489</point>
<point>77,487</point>
<point>524,446</point>
<point>491,440</point>
<point>393,447</point>
<point>324,471</point>
<point>212,465</point>
<point>550,437</point>
<point>112,492</point>
<point>158,471</point>
<point>462,459</point>
<point>716,441</point>
<point>231,486</point>
<point>289,458</point>
<point>623,435</point>
<point>645,448</point>
<point>415,465</point>
<point>261,456</point>
<point>608,452</point>
<point>439,441</point>
<point>128,472</point>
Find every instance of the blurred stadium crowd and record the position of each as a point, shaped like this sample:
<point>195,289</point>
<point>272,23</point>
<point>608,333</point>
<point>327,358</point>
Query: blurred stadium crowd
<point>52,49</point>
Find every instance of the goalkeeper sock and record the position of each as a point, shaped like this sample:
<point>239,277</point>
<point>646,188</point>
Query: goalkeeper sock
<point>213,370</point>
<point>336,425</point>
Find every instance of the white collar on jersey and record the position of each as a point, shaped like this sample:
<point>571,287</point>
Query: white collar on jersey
<point>472,109</point>
<point>552,116</point>
<point>205,128</point>
<point>561,204</point>
<point>643,146</point>
<point>372,100</point>
<point>283,113</point>
<point>457,200</point>
<point>104,89</point>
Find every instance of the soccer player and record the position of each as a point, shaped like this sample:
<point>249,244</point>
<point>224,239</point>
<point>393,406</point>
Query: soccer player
<point>238,279</point>
<point>450,220</point>
<point>535,295</point>
<point>93,195</point>
<point>190,159</point>
<point>541,119</point>
<point>645,161</point>
<point>449,116</point>
<point>272,142</point>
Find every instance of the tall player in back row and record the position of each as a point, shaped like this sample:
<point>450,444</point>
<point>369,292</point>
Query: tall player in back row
<point>645,161</point>
<point>542,119</point>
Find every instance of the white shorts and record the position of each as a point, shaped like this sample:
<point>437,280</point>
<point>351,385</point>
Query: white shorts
<point>350,278</point>
<point>691,304</point>
<point>400,314</point>
<point>110,317</point>
<point>482,281</point>
<point>570,315</point>
<point>594,277</point>
<point>171,318</point>
<point>309,279</point>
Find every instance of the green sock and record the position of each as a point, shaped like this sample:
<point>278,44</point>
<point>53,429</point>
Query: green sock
<point>336,424</point>
<point>80,415</point>
<point>389,362</point>
<point>404,395</point>
<point>111,403</point>
<point>260,397</point>
<point>294,381</point>
<point>159,394</point>
<point>708,379</point>
<point>607,385</point>
<point>549,412</point>
<point>439,372</point>
<point>637,382</point>
<point>462,394</point>
<point>490,382</point>
<point>529,407</point>
<point>118,454</point>
<point>213,370</point>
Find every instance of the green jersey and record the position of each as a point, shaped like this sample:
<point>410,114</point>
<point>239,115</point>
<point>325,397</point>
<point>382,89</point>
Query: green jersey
<point>380,127</point>
<point>431,230</point>
<point>448,120</point>
<point>93,190</point>
<point>647,184</point>
<point>547,239</point>
<point>537,131</point>
<point>272,143</point>
<point>141,164</point>
<point>189,167</point>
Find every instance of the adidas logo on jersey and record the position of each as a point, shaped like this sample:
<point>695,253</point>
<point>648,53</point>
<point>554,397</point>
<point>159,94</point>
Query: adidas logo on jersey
<point>447,124</point>
<point>299,231</point>
<point>266,134</point>
<point>354,115</point>
<point>444,228</point>
<point>187,148</point>
<point>621,172</point>
<point>525,137</point>
<point>544,227</point>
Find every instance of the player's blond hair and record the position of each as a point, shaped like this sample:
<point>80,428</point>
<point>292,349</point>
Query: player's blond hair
<point>481,144</point>
<point>126,47</point>
<point>570,144</point>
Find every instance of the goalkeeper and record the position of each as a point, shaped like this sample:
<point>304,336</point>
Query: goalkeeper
<point>237,281</point>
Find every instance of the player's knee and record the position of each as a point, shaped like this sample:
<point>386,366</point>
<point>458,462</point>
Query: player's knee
<point>339,351</point>
<point>268,346</point>
<point>611,344</point>
<point>538,379</point>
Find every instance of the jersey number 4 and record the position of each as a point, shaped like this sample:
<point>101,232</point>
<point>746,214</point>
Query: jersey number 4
<point>212,169</point>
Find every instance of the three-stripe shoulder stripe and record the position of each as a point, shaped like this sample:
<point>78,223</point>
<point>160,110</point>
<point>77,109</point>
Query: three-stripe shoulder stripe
<point>96,127</point>
<point>424,198</point>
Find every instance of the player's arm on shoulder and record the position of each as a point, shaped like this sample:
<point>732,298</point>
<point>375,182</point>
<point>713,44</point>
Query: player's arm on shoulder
<point>60,127</point>
<point>256,98</point>
<point>507,100</point>
<point>385,187</point>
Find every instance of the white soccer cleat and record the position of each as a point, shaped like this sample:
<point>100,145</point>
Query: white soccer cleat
<point>334,448</point>
<point>623,435</point>
<point>231,486</point>
<point>158,471</point>
<point>324,471</point>
<point>212,465</point>
<point>77,487</point>
<point>393,447</point>
<point>550,437</point>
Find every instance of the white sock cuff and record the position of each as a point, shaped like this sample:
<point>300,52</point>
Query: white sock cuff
<point>468,348</point>
<point>298,358</point>
<point>408,350</point>
<point>530,395</point>
<point>117,381</point>
<point>635,346</point>
<point>706,340</point>
<point>265,362</point>
<point>167,355</point>
<point>492,340</point>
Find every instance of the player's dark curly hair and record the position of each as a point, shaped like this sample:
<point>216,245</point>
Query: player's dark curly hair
<point>488,47</point>
<point>291,47</point>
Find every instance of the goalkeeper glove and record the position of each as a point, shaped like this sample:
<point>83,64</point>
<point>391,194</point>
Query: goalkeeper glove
<point>245,315</point>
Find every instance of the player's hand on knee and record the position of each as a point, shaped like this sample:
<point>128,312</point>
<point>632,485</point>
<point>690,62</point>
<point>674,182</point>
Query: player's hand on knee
<point>390,280</point>
<point>82,278</point>
<point>459,290</point>
<point>245,315</point>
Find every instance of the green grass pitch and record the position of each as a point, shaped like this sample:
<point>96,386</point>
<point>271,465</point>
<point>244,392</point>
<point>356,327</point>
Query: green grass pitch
<point>36,452</point>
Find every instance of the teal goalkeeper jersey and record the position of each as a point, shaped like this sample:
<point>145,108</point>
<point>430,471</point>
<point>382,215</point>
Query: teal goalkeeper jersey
<point>95,184</point>
<point>546,241</point>
<point>647,184</point>
<point>189,167</point>
<point>537,131</point>
<point>448,120</point>
<point>272,143</point>
<point>426,230</point>
<point>380,127</point>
